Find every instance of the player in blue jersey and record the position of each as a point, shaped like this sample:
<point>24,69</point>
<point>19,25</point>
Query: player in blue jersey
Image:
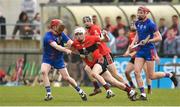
<point>53,50</point>
<point>146,52</point>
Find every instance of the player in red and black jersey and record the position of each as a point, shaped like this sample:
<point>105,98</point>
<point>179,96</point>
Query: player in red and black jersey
<point>94,30</point>
<point>87,47</point>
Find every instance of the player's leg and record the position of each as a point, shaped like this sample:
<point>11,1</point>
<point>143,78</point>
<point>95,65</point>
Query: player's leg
<point>94,81</point>
<point>138,65</point>
<point>65,75</point>
<point>45,68</point>
<point>109,78</point>
<point>96,71</point>
<point>148,80</point>
<point>128,70</point>
<point>114,72</point>
<point>112,68</point>
<point>155,75</point>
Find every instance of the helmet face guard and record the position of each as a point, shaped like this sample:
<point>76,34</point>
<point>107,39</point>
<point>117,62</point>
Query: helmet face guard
<point>87,19</point>
<point>79,33</point>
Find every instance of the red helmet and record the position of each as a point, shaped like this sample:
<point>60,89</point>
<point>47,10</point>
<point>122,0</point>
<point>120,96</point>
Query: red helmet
<point>144,9</point>
<point>55,22</point>
<point>57,26</point>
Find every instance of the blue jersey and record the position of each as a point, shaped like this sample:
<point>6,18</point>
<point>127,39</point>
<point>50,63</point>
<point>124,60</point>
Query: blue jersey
<point>50,54</point>
<point>144,29</point>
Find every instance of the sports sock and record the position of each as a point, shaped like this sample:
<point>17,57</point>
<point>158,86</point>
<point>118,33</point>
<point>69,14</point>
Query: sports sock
<point>95,83</point>
<point>48,90</point>
<point>131,84</point>
<point>78,89</point>
<point>142,90</point>
<point>127,89</point>
<point>106,86</point>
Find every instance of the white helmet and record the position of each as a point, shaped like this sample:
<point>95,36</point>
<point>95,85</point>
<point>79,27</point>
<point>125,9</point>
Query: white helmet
<point>87,19</point>
<point>79,30</point>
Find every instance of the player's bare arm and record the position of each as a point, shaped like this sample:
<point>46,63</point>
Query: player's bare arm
<point>69,43</point>
<point>157,37</point>
<point>60,48</point>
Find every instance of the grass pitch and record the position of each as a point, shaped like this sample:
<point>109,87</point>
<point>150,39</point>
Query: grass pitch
<point>67,96</point>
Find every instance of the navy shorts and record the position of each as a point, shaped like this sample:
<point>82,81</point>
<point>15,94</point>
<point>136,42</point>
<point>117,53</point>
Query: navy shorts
<point>147,54</point>
<point>57,63</point>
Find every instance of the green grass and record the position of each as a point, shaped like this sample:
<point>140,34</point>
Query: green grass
<point>67,96</point>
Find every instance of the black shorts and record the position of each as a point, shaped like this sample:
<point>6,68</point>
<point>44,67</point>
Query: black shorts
<point>109,58</point>
<point>103,63</point>
<point>132,60</point>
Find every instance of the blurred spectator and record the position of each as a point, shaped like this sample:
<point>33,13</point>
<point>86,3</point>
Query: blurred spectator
<point>162,27</point>
<point>36,26</point>
<point>2,26</point>
<point>178,45</point>
<point>132,32</point>
<point>163,30</point>
<point>24,27</point>
<point>121,41</point>
<point>176,24</point>
<point>108,24</point>
<point>112,43</point>
<point>95,20</point>
<point>30,7</point>
<point>133,18</point>
<point>120,25</point>
<point>170,43</point>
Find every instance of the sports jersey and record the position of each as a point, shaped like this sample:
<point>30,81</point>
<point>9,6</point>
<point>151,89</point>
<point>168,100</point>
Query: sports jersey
<point>50,54</point>
<point>88,48</point>
<point>144,29</point>
<point>96,31</point>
